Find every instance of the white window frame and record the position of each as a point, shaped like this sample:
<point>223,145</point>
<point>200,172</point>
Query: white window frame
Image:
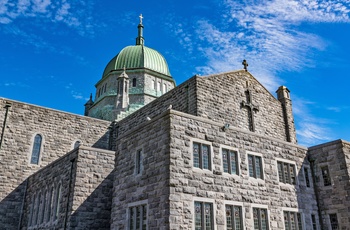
<point>262,165</point>
<point>234,203</point>
<point>238,160</point>
<point>295,171</point>
<point>205,200</point>
<point>135,204</point>
<point>260,206</point>
<point>296,211</point>
<point>200,141</point>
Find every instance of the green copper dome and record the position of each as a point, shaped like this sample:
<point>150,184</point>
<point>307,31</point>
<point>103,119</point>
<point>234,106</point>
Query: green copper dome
<point>138,56</point>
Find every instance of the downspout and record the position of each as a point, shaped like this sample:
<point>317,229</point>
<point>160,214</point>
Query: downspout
<point>69,192</point>
<point>312,161</point>
<point>7,106</point>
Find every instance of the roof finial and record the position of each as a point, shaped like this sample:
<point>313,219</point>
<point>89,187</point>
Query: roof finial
<point>140,39</point>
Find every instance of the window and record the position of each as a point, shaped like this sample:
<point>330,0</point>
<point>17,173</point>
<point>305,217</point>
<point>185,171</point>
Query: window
<point>43,207</point>
<point>307,179</point>
<point>255,166</point>
<point>201,156</point>
<point>138,162</point>
<point>32,210</point>
<point>325,175</point>
<point>58,199</point>
<point>134,82</point>
<point>286,172</point>
<point>260,219</point>
<point>334,221</point>
<point>165,88</point>
<point>230,161</point>
<point>203,216</point>
<point>36,149</point>
<point>234,217</point>
<point>313,219</point>
<point>49,205</point>
<point>292,221</point>
<point>158,86</point>
<point>138,217</point>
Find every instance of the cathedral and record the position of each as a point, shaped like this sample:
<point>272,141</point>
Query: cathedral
<point>215,152</point>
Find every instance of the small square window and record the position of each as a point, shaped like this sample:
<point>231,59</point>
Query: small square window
<point>234,219</point>
<point>292,220</point>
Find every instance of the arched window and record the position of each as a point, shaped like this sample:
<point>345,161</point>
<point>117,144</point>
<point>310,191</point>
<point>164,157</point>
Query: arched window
<point>36,149</point>
<point>32,209</point>
<point>49,205</point>
<point>58,199</point>
<point>134,82</point>
<point>36,210</point>
<point>165,87</point>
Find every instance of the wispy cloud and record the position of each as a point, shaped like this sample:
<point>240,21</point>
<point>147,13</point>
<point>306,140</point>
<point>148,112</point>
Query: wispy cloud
<point>268,35</point>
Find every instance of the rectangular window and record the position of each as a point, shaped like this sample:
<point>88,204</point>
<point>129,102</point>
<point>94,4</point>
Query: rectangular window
<point>325,175</point>
<point>313,219</point>
<point>201,156</point>
<point>260,219</point>
<point>286,172</point>
<point>234,219</point>
<point>334,221</point>
<point>203,216</point>
<point>307,179</point>
<point>255,166</point>
<point>138,217</point>
<point>230,161</point>
<point>138,162</point>
<point>292,220</point>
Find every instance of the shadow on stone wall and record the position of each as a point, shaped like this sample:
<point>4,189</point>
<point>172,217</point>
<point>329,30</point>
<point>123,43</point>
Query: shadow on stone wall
<point>95,211</point>
<point>10,205</point>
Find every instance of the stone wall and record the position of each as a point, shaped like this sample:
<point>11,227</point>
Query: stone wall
<point>85,176</point>
<point>220,99</point>
<point>59,131</point>
<point>151,185</point>
<point>333,198</point>
<point>188,184</point>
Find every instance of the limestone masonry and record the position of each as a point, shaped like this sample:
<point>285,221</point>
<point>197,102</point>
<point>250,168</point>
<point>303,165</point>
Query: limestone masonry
<point>216,152</point>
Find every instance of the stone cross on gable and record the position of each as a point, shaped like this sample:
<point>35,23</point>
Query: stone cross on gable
<point>245,65</point>
<point>251,108</point>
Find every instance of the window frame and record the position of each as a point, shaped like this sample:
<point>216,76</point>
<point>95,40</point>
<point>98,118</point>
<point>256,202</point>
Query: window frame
<point>33,147</point>
<point>330,220</point>
<point>307,176</point>
<point>259,155</point>
<point>133,205</point>
<point>299,224</point>
<point>287,179</point>
<point>242,210</point>
<point>265,207</point>
<point>327,182</point>
<point>229,162</point>
<point>314,221</point>
<point>139,156</point>
<point>210,155</point>
<point>213,211</point>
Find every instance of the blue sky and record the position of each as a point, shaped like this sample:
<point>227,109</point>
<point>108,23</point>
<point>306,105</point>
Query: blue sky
<point>53,52</point>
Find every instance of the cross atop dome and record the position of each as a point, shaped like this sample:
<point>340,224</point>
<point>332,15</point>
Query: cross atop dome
<point>140,18</point>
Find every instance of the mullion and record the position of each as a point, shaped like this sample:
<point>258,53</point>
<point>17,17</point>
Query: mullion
<point>200,150</point>
<point>228,156</point>
<point>254,166</point>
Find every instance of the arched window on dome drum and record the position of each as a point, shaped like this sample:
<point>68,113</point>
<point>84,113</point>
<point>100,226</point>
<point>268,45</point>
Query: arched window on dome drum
<point>36,150</point>
<point>134,82</point>
<point>76,144</point>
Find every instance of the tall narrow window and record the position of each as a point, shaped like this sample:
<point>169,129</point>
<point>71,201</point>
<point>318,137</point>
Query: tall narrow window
<point>286,172</point>
<point>260,219</point>
<point>334,221</point>
<point>230,161</point>
<point>138,162</point>
<point>255,166</point>
<point>58,200</point>
<point>32,209</point>
<point>314,225</point>
<point>134,82</point>
<point>37,211</point>
<point>201,156</point>
<point>49,205</point>
<point>36,149</point>
<point>165,88</point>
<point>325,175</point>
<point>307,179</point>
<point>158,86</point>
<point>138,217</point>
<point>43,207</point>
<point>203,216</point>
<point>234,217</point>
<point>292,221</point>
